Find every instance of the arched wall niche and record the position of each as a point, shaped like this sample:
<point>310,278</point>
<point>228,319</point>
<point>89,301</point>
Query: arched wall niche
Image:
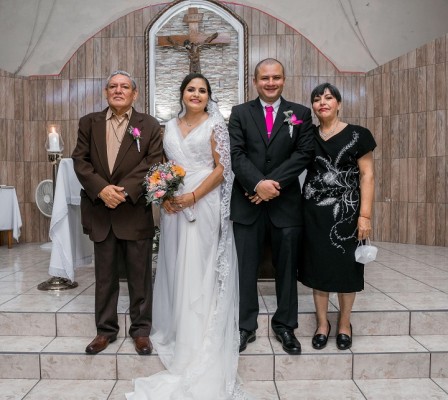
<point>223,61</point>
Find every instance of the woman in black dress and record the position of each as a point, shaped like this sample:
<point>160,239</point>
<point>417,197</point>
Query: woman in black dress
<point>338,192</point>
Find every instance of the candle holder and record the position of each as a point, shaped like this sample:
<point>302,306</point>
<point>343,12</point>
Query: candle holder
<point>54,145</point>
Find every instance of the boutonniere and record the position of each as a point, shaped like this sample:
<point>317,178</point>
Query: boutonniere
<point>136,134</point>
<point>292,120</point>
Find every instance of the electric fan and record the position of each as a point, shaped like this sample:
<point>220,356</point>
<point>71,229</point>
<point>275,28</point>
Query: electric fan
<point>44,201</point>
<point>44,197</point>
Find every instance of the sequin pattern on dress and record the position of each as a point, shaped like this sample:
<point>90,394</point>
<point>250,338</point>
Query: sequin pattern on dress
<point>337,187</point>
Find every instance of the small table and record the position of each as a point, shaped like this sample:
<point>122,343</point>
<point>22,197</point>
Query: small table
<point>71,247</point>
<point>10,219</point>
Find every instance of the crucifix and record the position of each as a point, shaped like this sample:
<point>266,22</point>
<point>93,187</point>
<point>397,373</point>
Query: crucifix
<point>195,40</point>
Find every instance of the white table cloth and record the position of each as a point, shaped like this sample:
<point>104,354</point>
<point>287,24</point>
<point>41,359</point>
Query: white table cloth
<point>71,247</point>
<point>10,218</point>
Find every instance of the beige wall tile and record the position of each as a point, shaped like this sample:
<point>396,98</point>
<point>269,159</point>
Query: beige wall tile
<point>430,224</point>
<point>441,129</point>
<point>403,180</point>
<point>440,222</point>
<point>379,184</point>
<point>421,88</point>
<point>89,58</point>
<point>441,86</point>
<point>412,59</point>
<point>395,93</point>
<point>431,52</point>
<point>413,135</point>
<point>440,50</point>
<point>403,221</point>
<point>413,90</point>
<point>403,79</point>
<point>370,103</point>
<point>395,222</point>
<point>395,137</point>
<point>421,223</point>
<point>412,178</point>
<point>255,22</point>
<point>431,181</point>
<point>440,180</point>
<point>412,225</point>
<point>309,58</point>
<point>403,128</point>
<point>430,87</point>
<point>431,134</point>
<point>420,56</point>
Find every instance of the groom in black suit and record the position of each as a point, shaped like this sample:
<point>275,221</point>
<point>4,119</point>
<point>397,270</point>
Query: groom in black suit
<point>266,198</point>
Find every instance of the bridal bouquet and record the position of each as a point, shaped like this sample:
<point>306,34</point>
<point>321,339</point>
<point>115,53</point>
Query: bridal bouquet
<point>163,181</point>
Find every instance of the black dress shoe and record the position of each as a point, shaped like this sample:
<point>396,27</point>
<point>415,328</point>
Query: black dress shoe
<point>343,341</point>
<point>289,342</point>
<point>99,344</point>
<point>245,338</point>
<point>320,340</point>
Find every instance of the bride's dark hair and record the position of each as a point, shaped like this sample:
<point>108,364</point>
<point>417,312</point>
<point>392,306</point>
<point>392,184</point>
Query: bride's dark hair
<point>186,81</point>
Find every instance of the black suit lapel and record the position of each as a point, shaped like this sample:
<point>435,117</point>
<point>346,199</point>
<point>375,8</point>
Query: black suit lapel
<point>258,115</point>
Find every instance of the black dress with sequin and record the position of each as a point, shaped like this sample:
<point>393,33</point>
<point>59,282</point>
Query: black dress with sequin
<point>331,209</point>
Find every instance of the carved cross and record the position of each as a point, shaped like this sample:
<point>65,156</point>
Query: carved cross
<point>195,40</point>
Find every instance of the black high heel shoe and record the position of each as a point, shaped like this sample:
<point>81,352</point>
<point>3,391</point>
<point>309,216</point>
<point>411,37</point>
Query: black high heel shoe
<point>320,340</point>
<point>343,341</point>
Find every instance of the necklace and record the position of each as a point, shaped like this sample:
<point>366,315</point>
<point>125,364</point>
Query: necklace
<point>115,132</point>
<point>328,135</point>
<point>186,123</point>
<point>193,124</point>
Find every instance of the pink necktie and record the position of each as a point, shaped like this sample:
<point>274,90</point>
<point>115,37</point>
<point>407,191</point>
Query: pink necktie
<point>269,119</point>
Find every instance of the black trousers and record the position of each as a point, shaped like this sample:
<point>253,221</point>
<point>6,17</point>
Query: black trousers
<point>137,256</point>
<point>286,242</point>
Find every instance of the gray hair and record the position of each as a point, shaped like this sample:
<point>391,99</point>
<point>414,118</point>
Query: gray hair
<point>121,72</point>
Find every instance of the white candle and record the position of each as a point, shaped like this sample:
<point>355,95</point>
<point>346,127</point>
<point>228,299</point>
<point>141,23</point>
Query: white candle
<point>53,141</point>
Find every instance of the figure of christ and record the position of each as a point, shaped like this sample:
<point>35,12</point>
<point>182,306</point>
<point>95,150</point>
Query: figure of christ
<point>193,49</point>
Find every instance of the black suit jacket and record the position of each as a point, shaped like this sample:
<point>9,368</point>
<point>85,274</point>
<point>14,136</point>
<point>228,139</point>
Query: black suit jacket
<point>131,220</point>
<point>281,158</point>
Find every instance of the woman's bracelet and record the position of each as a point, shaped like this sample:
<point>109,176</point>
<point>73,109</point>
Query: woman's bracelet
<point>194,198</point>
<point>362,216</point>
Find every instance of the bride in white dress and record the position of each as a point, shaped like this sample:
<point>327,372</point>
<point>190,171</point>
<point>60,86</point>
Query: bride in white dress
<point>195,311</point>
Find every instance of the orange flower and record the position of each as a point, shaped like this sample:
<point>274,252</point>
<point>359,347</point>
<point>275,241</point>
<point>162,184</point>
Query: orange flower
<point>155,177</point>
<point>178,170</point>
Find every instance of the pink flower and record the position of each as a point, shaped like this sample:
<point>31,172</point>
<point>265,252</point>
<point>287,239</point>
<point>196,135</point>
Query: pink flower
<point>291,118</point>
<point>159,194</point>
<point>136,133</point>
<point>295,121</point>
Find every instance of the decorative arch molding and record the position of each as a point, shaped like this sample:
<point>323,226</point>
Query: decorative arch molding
<point>225,64</point>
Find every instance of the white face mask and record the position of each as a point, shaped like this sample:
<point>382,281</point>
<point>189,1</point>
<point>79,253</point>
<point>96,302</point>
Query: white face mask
<point>365,253</point>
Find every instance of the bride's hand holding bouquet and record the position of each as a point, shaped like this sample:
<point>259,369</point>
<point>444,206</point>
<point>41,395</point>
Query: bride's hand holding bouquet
<point>162,182</point>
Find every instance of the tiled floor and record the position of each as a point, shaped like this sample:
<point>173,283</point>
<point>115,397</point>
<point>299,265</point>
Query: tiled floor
<point>400,325</point>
